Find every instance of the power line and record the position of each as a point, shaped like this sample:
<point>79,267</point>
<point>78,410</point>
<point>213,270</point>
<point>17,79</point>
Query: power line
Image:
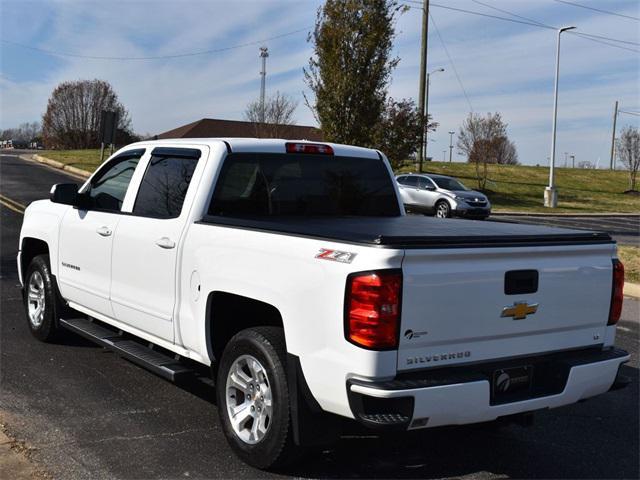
<point>453,65</point>
<point>153,57</point>
<point>582,34</point>
<point>534,23</point>
<point>608,12</point>
<point>586,36</point>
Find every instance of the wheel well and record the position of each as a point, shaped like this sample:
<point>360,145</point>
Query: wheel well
<point>31,247</point>
<point>227,314</point>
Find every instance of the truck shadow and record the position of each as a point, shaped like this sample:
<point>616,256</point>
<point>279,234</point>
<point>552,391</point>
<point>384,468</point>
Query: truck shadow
<point>594,439</point>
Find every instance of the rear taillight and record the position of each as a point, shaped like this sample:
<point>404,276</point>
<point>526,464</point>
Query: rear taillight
<point>616,292</point>
<point>316,148</point>
<point>372,309</point>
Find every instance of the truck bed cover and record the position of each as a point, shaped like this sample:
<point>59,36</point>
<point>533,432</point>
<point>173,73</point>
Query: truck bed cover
<point>414,231</point>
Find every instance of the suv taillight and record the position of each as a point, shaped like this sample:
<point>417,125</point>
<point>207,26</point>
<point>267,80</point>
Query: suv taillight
<point>616,292</point>
<point>372,309</point>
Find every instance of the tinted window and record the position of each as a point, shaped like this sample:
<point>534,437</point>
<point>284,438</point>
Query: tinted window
<point>449,183</point>
<point>411,181</point>
<point>108,188</point>
<point>402,180</point>
<point>424,182</point>
<point>164,186</point>
<point>290,184</point>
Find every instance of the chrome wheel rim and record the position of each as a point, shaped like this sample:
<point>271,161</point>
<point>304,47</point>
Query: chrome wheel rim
<point>441,211</point>
<point>249,401</point>
<point>36,299</point>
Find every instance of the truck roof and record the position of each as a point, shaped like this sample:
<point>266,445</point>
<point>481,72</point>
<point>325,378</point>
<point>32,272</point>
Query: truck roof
<point>262,145</point>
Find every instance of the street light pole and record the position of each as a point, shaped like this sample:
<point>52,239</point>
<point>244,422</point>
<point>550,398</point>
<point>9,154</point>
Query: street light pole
<point>451,145</point>
<point>426,115</point>
<point>550,193</point>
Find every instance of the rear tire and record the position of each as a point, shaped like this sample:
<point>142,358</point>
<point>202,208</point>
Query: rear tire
<point>253,397</point>
<point>41,300</point>
<point>443,209</point>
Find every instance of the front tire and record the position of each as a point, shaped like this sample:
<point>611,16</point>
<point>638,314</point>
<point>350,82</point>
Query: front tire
<point>443,209</point>
<point>41,301</point>
<point>253,397</point>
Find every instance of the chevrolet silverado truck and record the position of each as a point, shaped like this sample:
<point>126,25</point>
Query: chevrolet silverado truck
<point>290,272</point>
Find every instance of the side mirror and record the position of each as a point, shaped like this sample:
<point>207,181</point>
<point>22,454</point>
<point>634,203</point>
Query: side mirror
<point>430,188</point>
<point>64,193</point>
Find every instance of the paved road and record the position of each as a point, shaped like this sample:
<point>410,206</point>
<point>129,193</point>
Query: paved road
<point>88,414</point>
<point>624,228</point>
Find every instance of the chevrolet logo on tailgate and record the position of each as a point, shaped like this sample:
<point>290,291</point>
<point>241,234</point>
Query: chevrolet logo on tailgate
<point>519,310</point>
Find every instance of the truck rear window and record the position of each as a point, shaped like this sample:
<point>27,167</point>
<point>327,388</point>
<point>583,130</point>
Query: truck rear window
<point>265,184</point>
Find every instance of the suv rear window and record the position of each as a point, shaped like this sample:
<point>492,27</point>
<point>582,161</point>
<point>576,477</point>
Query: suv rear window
<point>266,184</point>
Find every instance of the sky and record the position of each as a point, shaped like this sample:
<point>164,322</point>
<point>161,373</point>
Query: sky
<point>491,65</point>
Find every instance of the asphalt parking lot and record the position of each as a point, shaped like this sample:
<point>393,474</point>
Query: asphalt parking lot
<point>625,229</point>
<point>85,413</point>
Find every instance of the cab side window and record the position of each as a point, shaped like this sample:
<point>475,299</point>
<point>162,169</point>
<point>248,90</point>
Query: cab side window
<point>411,181</point>
<point>107,190</point>
<point>165,182</point>
<point>424,182</point>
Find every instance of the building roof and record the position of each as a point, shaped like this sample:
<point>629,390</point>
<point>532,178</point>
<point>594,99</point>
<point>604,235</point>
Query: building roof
<point>213,127</point>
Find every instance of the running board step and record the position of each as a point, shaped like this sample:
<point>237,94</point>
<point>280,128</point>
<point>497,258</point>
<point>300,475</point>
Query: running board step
<point>157,362</point>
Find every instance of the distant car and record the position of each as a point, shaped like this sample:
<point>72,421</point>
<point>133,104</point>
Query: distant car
<point>442,196</point>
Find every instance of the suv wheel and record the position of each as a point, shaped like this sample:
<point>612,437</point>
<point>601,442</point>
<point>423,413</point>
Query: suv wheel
<point>253,397</point>
<point>41,301</point>
<point>443,210</point>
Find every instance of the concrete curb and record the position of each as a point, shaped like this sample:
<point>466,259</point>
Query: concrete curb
<point>55,164</point>
<point>632,289</point>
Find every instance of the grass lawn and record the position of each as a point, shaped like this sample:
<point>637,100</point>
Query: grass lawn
<point>521,188</point>
<point>87,160</point>
<point>630,257</point>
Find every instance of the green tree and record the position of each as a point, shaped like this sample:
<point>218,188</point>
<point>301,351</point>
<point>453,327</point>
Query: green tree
<point>351,67</point>
<point>397,133</point>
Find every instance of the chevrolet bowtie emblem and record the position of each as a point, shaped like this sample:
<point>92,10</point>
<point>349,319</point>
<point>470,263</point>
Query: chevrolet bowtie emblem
<point>519,310</point>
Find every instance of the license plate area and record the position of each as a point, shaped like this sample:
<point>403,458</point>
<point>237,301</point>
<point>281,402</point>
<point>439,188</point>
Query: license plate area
<point>511,384</point>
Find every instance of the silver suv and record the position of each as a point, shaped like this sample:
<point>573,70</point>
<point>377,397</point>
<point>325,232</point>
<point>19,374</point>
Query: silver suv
<point>441,196</point>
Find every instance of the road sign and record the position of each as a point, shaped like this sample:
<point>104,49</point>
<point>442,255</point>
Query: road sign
<point>108,127</point>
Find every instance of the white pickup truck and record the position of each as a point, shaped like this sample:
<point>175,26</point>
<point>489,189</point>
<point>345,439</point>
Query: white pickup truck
<point>291,270</point>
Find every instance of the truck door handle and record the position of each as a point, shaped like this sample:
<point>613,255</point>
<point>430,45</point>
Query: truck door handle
<point>104,231</point>
<point>165,242</point>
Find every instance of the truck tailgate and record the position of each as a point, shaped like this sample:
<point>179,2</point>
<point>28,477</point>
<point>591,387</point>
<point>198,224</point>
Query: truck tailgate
<point>454,300</point>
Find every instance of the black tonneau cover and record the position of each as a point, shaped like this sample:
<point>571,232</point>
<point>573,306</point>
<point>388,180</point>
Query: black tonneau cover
<point>414,231</point>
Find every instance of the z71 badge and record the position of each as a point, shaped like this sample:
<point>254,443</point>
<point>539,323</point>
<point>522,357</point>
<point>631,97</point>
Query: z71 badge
<point>336,255</point>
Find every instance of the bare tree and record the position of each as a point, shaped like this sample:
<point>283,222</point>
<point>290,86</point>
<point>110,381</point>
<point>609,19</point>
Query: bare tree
<point>74,112</point>
<point>25,133</point>
<point>484,140</point>
<point>278,116</point>
<point>628,148</point>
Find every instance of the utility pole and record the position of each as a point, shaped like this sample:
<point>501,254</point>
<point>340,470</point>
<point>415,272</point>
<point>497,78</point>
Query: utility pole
<point>613,137</point>
<point>264,53</point>
<point>550,192</point>
<point>423,79</point>
<point>573,161</point>
<point>565,159</point>
<point>451,145</point>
